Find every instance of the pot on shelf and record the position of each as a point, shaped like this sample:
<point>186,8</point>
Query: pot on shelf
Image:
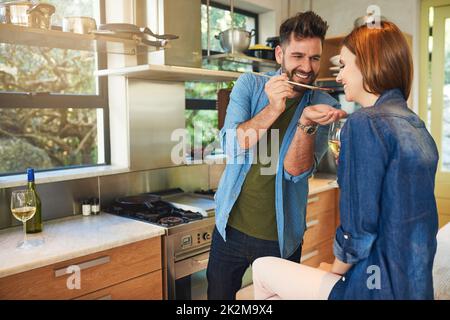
<point>82,25</point>
<point>27,14</point>
<point>237,39</point>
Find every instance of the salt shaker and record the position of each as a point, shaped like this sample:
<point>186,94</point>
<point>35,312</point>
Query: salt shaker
<point>86,208</point>
<point>95,206</point>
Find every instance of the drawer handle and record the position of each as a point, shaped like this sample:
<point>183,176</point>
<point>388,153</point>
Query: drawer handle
<point>309,256</point>
<point>312,223</point>
<point>107,297</point>
<point>313,199</point>
<point>203,261</point>
<point>84,265</point>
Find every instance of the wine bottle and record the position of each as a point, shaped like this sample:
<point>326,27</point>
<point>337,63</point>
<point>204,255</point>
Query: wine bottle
<point>34,225</point>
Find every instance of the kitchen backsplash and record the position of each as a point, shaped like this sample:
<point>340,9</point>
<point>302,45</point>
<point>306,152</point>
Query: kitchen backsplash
<point>62,199</point>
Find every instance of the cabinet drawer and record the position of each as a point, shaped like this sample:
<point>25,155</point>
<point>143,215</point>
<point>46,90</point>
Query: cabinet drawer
<point>319,229</point>
<point>97,271</point>
<point>146,287</point>
<point>322,253</point>
<point>321,202</point>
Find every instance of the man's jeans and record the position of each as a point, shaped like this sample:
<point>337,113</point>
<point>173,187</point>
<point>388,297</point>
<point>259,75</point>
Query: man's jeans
<point>229,260</point>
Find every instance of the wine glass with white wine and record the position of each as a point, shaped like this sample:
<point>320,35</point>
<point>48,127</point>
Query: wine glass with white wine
<point>23,208</point>
<point>334,140</point>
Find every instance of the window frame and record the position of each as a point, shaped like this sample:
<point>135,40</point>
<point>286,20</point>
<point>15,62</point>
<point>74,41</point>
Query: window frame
<point>44,100</point>
<point>236,10</point>
<point>211,104</point>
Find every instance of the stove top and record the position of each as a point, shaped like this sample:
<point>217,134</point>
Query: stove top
<point>158,212</point>
<point>209,192</point>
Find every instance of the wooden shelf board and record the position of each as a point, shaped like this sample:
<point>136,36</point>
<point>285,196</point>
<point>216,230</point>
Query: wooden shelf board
<point>21,35</point>
<point>171,73</point>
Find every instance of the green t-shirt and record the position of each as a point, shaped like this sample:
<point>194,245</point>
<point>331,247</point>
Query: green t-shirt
<point>254,210</point>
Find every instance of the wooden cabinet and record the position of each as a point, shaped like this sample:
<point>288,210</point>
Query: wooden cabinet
<point>321,220</point>
<point>132,271</point>
<point>146,287</point>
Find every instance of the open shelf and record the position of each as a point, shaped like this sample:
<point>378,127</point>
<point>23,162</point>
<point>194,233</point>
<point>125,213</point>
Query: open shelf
<point>171,73</point>
<point>15,34</point>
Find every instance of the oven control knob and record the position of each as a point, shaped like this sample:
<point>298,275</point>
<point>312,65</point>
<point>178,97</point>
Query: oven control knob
<point>206,236</point>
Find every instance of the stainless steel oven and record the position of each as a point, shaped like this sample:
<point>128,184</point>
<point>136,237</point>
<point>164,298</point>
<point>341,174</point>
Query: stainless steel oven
<point>188,220</point>
<point>187,253</point>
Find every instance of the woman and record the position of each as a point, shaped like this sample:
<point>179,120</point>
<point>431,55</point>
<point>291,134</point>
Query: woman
<point>386,242</point>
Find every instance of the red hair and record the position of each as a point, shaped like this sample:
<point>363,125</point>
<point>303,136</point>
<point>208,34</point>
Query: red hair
<point>383,56</point>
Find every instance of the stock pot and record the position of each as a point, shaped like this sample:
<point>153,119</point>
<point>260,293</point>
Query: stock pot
<point>27,14</point>
<point>237,39</point>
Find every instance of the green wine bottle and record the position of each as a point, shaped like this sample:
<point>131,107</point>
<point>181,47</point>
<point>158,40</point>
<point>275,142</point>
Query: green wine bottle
<point>34,225</point>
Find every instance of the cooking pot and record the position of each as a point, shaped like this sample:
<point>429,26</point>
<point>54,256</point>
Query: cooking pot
<point>80,25</point>
<point>237,39</point>
<point>128,28</point>
<point>28,14</point>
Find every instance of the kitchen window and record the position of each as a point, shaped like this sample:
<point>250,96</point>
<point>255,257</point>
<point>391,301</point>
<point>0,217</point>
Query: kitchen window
<point>53,110</point>
<point>201,97</point>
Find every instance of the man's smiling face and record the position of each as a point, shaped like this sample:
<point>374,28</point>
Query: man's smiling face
<point>300,59</point>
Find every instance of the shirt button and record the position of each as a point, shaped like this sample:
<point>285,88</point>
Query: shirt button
<point>346,236</point>
<point>343,279</point>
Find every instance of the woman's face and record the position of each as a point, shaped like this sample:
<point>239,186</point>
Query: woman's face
<point>350,76</point>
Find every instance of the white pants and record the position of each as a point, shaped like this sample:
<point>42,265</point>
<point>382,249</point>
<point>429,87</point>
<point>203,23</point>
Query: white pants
<point>275,278</point>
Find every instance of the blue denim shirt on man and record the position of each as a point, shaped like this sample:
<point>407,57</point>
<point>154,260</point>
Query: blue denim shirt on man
<point>388,213</point>
<point>247,99</point>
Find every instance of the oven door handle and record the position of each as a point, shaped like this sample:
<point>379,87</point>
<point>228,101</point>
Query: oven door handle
<point>191,265</point>
<point>203,261</point>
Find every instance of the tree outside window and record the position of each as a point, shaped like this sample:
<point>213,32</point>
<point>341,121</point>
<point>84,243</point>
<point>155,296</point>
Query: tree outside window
<point>62,129</point>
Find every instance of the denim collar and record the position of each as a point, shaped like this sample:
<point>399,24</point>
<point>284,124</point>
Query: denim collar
<point>391,94</point>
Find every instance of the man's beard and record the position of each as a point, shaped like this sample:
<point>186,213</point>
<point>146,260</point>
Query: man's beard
<point>290,73</point>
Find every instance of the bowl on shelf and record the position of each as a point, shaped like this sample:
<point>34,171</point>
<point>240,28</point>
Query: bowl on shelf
<point>261,52</point>
<point>335,60</point>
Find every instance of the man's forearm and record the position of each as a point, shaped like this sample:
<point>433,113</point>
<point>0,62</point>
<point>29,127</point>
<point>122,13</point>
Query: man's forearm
<point>340,267</point>
<point>300,156</point>
<point>249,132</point>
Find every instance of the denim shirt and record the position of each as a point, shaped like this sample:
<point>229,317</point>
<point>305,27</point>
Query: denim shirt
<point>388,214</point>
<point>247,99</point>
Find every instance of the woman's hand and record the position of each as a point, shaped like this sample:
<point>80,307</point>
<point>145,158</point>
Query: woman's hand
<point>321,114</point>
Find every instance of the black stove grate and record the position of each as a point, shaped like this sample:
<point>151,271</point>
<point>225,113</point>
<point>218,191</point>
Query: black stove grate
<point>158,212</point>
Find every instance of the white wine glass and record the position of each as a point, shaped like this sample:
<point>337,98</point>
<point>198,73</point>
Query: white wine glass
<point>23,208</point>
<point>334,141</point>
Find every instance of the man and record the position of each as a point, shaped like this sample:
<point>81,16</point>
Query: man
<point>260,212</point>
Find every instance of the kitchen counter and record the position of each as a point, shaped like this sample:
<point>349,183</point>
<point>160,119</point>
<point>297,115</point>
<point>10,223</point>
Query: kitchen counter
<point>321,183</point>
<point>70,238</point>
